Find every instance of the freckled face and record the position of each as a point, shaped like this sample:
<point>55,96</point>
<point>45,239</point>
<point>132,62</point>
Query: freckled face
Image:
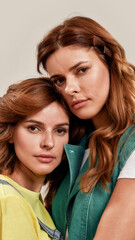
<point>39,140</point>
<point>82,78</point>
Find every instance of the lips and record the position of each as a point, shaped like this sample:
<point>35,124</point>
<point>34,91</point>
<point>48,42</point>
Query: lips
<point>45,158</point>
<point>79,103</point>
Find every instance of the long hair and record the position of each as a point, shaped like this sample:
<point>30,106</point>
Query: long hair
<point>21,100</point>
<point>119,109</point>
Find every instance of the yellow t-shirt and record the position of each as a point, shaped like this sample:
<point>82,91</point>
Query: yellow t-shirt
<point>18,214</point>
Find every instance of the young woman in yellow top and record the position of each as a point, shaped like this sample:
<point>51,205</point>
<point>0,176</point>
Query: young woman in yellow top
<point>34,126</point>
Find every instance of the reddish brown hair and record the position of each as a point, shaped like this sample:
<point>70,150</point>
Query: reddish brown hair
<point>120,106</point>
<point>21,100</point>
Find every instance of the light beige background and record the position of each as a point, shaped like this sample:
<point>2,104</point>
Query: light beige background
<point>23,23</point>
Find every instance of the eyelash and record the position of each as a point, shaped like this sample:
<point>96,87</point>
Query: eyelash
<point>83,69</point>
<point>33,127</point>
<point>59,131</point>
<point>62,79</point>
<point>63,131</point>
<point>58,79</point>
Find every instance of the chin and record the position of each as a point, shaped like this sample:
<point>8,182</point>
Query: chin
<point>83,116</point>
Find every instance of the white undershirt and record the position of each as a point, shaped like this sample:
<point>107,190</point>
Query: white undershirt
<point>128,170</point>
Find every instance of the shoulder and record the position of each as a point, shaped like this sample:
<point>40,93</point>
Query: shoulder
<point>8,187</point>
<point>12,201</point>
<point>10,197</point>
<point>126,145</point>
<point>13,206</point>
<point>17,219</point>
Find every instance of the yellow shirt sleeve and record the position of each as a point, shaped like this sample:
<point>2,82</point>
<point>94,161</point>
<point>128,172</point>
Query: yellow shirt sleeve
<point>17,221</point>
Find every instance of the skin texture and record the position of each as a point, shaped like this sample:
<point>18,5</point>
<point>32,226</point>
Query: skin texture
<point>117,221</point>
<point>82,79</point>
<point>80,74</point>
<point>39,142</point>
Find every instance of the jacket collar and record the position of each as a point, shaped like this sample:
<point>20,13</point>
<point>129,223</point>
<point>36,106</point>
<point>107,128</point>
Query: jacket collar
<point>75,155</point>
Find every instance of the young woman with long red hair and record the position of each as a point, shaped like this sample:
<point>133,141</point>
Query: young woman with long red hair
<point>89,68</point>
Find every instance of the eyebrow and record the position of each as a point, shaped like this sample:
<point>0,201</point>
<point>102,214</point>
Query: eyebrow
<point>70,69</point>
<point>62,124</point>
<point>76,65</point>
<point>41,123</point>
<point>33,121</point>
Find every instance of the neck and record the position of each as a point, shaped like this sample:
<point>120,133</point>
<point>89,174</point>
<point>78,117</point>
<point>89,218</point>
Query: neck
<point>26,179</point>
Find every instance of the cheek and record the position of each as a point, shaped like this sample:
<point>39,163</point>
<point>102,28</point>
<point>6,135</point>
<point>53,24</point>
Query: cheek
<point>101,84</point>
<point>66,97</point>
<point>61,91</point>
<point>22,142</point>
<point>105,85</point>
<point>65,141</point>
<point>22,146</point>
<point>60,145</point>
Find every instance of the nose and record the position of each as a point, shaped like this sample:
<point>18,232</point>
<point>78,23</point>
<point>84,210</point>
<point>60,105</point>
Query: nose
<point>47,141</point>
<point>72,86</point>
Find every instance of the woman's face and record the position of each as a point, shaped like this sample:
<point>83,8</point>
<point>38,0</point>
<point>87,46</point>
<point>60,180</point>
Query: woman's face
<point>39,140</point>
<point>82,78</point>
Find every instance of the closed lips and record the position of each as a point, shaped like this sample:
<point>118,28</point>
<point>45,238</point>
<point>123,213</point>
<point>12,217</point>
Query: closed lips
<point>45,156</point>
<point>79,101</point>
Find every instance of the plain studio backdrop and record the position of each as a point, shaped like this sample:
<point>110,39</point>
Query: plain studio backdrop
<point>23,23</point>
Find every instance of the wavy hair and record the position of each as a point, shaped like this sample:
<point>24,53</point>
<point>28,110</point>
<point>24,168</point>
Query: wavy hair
<point>21,100</point>
<point>119,109</point>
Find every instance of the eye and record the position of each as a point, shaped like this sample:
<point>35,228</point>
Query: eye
<point>33,128</point>
<point>61,131</point>
<point>82,70</point>
<point>59,81</point>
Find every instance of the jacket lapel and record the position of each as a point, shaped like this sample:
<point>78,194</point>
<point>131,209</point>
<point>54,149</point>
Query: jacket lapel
<point>76,186</point>
<point>75,155</point>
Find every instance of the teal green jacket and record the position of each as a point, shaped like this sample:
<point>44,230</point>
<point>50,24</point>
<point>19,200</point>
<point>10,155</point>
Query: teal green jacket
<point>78,211</point>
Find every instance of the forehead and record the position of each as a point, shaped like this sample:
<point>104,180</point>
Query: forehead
<point>54,111</point>
<point>52,114</point>
<point>54,108</point>
<point>66,57</point>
